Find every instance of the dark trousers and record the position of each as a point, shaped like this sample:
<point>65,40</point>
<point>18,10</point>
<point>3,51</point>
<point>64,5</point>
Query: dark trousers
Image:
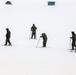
<point>44,43</point>
<point>33,35</point>
<point>73,44</point>
<point>7,41</point>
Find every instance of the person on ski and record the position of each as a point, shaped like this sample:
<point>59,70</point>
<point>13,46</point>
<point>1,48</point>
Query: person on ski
<point>8,35</point>
<point>33,29</point>
<point>73,40</point>
<point>44,36</point>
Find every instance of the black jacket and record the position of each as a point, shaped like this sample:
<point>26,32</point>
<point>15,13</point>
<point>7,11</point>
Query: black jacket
<point>33,28</point>
<point>44,36</point>
<point>8,34</point>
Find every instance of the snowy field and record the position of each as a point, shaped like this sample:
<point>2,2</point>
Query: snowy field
<point>23,58</point>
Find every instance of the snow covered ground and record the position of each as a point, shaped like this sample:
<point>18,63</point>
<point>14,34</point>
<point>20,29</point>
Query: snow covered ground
<point>23,58</point>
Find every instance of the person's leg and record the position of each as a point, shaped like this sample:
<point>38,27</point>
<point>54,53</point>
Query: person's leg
<point>32,35</point>
<point>44,44</point>
<point>9,42</point>
<point>6,41</point>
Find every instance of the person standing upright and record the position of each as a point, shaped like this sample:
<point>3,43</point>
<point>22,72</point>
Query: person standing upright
<point>33,29</point>
<point>73,40</point>
<point>8,35</point>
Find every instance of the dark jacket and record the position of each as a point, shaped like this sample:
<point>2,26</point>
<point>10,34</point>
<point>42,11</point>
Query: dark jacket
<point>8,34</point>
<point>44,36</point>
<point>73,36</point>
<point>33,28</point>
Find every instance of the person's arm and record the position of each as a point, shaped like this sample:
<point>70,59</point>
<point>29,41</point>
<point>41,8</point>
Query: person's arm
<point>41,36</point>
<point>35,27</point>
<point>31,28</point>
<point>70,37</point>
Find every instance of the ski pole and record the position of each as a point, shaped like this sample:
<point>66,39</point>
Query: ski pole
<point>38,43</point>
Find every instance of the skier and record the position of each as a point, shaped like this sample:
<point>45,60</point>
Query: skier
<point>8,35</point>
<point>73,40</point>
<point>44,36</point>
<point>33,29</point>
